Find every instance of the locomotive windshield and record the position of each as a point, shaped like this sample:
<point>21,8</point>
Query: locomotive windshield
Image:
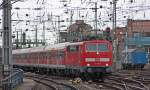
<point>102,47</point>
<point>91,48</point>
<point>96,47</point>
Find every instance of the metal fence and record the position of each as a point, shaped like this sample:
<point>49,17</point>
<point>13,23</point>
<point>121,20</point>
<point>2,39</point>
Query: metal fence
<point>13,80</point>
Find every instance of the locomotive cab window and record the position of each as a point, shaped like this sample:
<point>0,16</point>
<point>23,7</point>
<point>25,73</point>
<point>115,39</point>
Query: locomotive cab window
<point>72,48</point>
<point>102,47</point>
<point>91,48</point>
<point>96,47</point>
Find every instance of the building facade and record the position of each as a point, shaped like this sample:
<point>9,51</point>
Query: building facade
<point>139,34</point>
<point>138,27</point>
<point>78,31</point>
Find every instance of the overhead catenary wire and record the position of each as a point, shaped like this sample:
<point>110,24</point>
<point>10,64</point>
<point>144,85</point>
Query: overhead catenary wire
<point>2,4</point>
<point>103,17</point>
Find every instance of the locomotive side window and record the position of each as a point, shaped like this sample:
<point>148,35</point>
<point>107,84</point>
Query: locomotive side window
<point>49,55</point>
<point>60,54</point>
<point>25,56</point>
<point>22,56</point>
<point>72,48</point>
<point>31,56</point>
<point>40,56</point>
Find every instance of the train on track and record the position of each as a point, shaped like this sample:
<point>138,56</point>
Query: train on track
<point>134,58</point>
<point>86,59</point>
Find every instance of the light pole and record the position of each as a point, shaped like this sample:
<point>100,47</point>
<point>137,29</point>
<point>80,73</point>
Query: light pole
<point>7,38</point>
<point>44,40</point>
<point>95,10</point>
<point>96,17</point>
<point>7,43</point>
<point>18,42</point>
<point>36,39</point>
<point>114,36</point>
<point>58,28</point>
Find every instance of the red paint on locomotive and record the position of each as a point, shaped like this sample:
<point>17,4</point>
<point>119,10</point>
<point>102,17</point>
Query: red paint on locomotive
<point>96,53</point>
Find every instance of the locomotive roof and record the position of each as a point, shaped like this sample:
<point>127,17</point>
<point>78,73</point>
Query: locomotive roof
<point>50,47</point>
<point>45,48</point>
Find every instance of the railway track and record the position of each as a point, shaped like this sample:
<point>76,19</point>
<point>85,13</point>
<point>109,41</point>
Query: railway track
<point>143,77</point>
<point>127,80</point>
<point>140,75</point>
<point>128,83</point>
<point>113,85</point>
<point>52,84</point>
<point>136,80</point>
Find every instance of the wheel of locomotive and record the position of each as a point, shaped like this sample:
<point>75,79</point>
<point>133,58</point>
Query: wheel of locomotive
<point>98,76</point>
<point>85,76</point>
<point>102,76</point>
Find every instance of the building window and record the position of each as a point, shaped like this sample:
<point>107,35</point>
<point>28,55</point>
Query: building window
<point>136,34</point>
<point>147,34</point>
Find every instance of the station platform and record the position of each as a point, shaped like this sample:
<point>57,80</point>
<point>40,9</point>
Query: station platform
<point>27,84</point>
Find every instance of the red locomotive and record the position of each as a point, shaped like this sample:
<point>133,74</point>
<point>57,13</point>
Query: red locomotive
<point>86,58</point>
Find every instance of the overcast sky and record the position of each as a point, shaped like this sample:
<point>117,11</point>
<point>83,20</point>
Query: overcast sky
<point>81,9</point>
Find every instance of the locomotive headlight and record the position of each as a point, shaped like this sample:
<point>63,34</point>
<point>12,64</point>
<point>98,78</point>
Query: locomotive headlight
<point>104,59</point>
<point>88,64</point>
<point>97,53</point>
<point>89,59</point>
<point>106,64</point>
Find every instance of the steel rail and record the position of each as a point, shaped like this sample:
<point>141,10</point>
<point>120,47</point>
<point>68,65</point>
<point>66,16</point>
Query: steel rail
<point>51,83</point>
<point>140,86</point>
